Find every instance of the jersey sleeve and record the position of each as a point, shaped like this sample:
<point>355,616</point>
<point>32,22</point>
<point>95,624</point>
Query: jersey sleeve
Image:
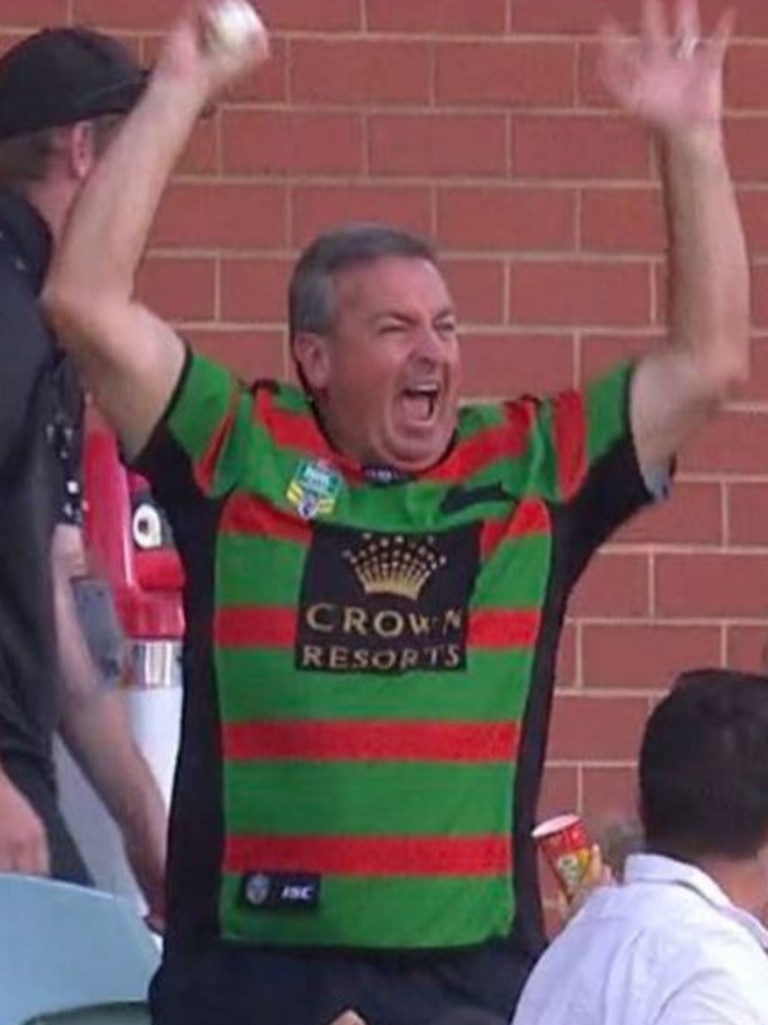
<point>197,448</point>
<point>588,461</point>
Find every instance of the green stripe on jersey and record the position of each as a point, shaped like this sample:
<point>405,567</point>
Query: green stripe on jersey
<point>361,798</point>
<point>402,913</point>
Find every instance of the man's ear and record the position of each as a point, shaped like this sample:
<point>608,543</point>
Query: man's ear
<point>312,356</point>
<point>81,151</point>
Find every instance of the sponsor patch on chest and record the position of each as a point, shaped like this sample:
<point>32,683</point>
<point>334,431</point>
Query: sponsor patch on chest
<point>386,603</point>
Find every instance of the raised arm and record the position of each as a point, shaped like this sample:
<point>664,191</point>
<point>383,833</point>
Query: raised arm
<point>671,79</point>
<point>130,359</point>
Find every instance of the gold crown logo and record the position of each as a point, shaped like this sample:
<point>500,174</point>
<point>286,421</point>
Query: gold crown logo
<point>395,565</point>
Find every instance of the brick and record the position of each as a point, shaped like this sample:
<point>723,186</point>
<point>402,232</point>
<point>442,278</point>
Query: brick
<point>601,352</point>
<point>34,13</point>
<point>578,147</point>
<point>693,515</point>
<point>747,144</point>
<point>575,16</point>
<point>747,648</point>
<point>596,728</point>
<point>583,293</point>
<point>505,74</point>
<point>201,154</point>
<point>250,355</point>
<point>504,365</point>
<point>319,15</point>
<point>754,212</point>
<point>746,75</point>
<point>760,295</point>
<point>734,443</point>
<point>222,214</point>
<point>567,670</point>
<point>757,387</point>
<point>438,144</point>
<point>506,219</point>
<point>255,290</point>
<point>477,289</point>
<point>180,290</point>
<point>624,220</point>
<point>610,799</point>
<point>289,142</point>
<point>615,586</point>
<point>559,791</point>
<point>645,656</point>
<point>360,71</point>
<point>126,14</point>
<point>437,17</point>
<point>748,513</point>
<point>317,208</point>
<point>564,16</point>
<point>722,585</point>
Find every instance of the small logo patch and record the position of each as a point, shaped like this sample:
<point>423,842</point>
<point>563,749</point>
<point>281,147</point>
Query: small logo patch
<point>275,891</point>
<point>314,489</point>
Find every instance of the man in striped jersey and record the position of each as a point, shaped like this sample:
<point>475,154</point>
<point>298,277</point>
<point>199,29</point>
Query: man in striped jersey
<point>376,577</point>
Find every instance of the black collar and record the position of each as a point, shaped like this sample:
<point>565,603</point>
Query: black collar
<point>28,233</point>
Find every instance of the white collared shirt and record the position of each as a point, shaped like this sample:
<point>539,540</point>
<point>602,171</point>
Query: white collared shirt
<point>665,948</point>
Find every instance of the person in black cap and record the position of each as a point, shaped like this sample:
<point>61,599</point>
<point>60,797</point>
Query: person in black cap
<point>62,91</point>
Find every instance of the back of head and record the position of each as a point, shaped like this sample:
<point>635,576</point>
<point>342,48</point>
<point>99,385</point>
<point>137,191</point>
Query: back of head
<point>704,767</point>
<point>56,78</point>
<point>311,300</point>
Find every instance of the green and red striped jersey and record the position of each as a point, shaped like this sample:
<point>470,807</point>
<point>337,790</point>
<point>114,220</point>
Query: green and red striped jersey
<point>369,660</point>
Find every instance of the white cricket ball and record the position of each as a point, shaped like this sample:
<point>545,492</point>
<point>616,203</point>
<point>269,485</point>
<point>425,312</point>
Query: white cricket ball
<point>233,25</point>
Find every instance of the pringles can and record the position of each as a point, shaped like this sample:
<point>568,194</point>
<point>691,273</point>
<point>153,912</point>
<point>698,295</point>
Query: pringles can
<point>567,849</point>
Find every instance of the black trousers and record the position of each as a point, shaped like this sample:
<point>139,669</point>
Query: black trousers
<point>39,788</point>
<point>231,985</point>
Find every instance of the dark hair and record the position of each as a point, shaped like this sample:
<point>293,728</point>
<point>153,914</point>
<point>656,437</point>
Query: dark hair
<point>704,767</point>
<point>26,159</point>
<point>311,298</point>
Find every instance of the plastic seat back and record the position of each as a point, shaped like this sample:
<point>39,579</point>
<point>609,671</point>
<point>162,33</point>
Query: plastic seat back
<point>64,947</point>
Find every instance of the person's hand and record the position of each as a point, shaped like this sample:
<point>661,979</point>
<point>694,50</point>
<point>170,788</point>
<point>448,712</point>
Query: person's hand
<point>187,53</point>
<point>23,841</point>
<point>669,77</point>
<point>597,874</point>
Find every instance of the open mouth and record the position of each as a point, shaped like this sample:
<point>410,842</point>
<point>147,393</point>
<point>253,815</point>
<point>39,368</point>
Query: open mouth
<point>421,401</point>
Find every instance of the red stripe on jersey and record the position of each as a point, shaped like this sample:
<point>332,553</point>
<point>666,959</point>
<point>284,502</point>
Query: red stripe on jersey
<point>372,741</point>
<point>499,628</point>
<point>251,626</point>
<point>530,517</point>
<point>252,515</point>
<point>570,426</point>
<point>374,856</point>
<point>205,467</point>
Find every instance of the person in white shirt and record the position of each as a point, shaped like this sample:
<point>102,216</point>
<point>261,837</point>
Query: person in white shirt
<point>680,942</point>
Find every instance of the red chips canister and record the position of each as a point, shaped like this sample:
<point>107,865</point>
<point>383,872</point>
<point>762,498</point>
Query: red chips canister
<point>565,845</point>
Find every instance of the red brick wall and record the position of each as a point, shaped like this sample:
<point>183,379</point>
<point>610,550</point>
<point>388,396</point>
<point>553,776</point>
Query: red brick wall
<point>481,122</point>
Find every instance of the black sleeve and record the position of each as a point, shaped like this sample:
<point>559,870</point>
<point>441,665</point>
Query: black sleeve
<point>25,352</point>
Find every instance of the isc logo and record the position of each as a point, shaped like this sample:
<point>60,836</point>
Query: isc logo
<point>297,894</point>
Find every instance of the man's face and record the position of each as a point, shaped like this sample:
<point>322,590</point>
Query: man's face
<point>388,387</point>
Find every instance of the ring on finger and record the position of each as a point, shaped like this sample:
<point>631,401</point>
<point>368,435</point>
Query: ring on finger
<point>687,47</point>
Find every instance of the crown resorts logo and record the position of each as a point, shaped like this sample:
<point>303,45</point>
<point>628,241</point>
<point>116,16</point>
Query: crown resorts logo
<point>386,603</point>
<point>398,565</point>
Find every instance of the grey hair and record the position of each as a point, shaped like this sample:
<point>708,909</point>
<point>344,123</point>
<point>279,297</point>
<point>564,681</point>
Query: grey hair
<point>311,294</point>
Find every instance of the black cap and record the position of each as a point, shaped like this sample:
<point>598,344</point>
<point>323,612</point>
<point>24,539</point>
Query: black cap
<point>62,75</point>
